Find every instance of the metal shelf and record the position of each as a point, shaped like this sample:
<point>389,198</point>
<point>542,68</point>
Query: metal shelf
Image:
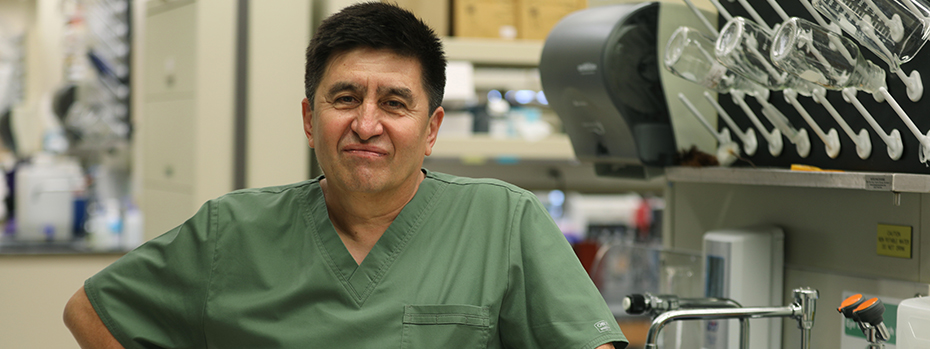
<point>496,52</point>
<point>480,148</point>
<point>875,181</point>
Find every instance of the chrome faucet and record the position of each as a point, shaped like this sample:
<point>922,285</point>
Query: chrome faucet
<point>636,304</point>
<point>802,310</point>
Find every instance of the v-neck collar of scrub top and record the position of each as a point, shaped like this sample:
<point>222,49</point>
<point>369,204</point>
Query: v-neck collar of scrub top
<point>360,280</point>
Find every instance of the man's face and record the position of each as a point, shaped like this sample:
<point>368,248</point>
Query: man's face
<point>370,124</point>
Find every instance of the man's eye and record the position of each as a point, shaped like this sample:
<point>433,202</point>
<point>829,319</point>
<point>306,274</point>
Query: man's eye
<point>395,104</point>
<point>345,99</point>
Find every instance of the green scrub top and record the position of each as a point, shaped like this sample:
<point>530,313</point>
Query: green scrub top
<point>468,263</point>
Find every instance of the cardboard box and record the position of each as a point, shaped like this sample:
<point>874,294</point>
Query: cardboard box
<point>484,18</point>
<point>535,18</point>
<point>434,12</point>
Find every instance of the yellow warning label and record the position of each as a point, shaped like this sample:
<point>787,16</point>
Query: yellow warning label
<point>894,241</point>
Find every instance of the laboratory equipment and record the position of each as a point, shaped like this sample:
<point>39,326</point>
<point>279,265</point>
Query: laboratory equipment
<point>828,59</point>
<point>641,303</point>
<point>802,309</point>
<point>815,54</point>
<point>750,144</point>
<point>924,139</point>
<point>755,15</point>
<point>861,139</point>
<point>740,47</point>
<point>655,305</point>
<point>894,30</point>
<point>830,138</point>
<point>868,315</point>
<point>743,46</point>
<point>688,55</point>
<point>727,150</point>
<point>746,265</point>
<point>893,143</point>
<point>913,323</point>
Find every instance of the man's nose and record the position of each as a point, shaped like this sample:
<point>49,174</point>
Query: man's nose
<point>367,123</point>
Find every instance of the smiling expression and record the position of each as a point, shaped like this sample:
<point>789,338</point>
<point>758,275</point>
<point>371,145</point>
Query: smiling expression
<point>370,124</point>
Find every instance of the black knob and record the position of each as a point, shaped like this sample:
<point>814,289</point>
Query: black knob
<point>871,311</point>
<point>634,304</point>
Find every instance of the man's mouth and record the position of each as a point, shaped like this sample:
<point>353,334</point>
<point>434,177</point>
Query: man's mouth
<point>364,150</point>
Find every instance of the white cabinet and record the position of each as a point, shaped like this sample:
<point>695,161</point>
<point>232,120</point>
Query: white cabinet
<point>185,126</point>
<point>222,92</point>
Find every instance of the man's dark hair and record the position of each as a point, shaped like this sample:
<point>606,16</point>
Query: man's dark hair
<point>379,26</point>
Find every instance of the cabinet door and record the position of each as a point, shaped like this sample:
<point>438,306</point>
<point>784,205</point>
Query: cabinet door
<point>169,50</point>
<point>168,145</point>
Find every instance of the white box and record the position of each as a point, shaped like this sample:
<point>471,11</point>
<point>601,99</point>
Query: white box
<point>746,265</point>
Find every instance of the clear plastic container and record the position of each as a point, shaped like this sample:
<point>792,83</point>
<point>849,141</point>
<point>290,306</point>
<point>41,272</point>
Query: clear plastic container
<point>913,324</point>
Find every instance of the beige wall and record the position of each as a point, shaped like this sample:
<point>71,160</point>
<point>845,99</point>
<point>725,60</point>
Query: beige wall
<point>33,293</point>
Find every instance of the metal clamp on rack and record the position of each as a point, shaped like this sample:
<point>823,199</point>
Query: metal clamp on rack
<point>868,314</point>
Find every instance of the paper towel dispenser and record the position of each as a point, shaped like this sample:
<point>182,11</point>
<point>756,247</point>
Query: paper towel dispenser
<point>600,70</point>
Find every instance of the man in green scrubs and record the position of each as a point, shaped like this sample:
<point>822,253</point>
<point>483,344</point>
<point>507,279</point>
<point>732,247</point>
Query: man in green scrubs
<point>378,252</point>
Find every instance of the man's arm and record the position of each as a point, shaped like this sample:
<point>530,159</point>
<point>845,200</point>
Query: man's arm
<point>85,324</point>
<point>605,346</point>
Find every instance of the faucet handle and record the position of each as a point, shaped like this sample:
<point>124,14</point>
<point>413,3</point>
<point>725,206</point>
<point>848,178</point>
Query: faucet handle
<point>849,305</point>
<point>635,304</point>
<point>870,311</point>
<point>640,303</point>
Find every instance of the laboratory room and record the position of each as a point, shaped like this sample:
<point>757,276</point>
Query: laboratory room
<point>464,173</point>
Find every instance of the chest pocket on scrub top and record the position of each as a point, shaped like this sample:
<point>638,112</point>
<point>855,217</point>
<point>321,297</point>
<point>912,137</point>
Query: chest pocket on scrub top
<point>449,326</point>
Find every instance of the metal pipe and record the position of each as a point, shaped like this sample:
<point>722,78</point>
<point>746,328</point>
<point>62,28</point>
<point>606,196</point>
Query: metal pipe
<point>802,310</point>
<point>713,314</point>
<point>805,338</point>
<point>691,303</point>
<point>744,333</point>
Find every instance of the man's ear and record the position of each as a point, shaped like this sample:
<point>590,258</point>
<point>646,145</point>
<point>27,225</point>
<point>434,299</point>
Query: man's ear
<point>434,122</point>
<point>308,120</point>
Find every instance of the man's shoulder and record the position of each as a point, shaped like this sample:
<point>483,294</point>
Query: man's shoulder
<point>270,193</point>
<point>481,184</point>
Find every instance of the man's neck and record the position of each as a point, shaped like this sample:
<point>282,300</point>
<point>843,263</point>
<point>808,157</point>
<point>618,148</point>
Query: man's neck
<point>361,218</point>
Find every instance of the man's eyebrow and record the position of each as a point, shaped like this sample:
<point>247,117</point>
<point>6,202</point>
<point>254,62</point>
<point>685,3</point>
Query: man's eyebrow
<point>343,86</point>
<point>402,92</point>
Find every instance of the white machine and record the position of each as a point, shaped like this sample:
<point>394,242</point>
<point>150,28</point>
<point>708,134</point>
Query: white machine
<point>913,323</point>
<point>745,265</point>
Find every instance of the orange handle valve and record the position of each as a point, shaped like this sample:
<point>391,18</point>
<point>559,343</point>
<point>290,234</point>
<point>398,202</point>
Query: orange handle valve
<point>870,311</point>
<point>849,305</point>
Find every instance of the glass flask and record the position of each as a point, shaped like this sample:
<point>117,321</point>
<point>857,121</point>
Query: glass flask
<point>818,55</point>
<point>743,46</point>
<point>895,30</point>
<point>690,55</point>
